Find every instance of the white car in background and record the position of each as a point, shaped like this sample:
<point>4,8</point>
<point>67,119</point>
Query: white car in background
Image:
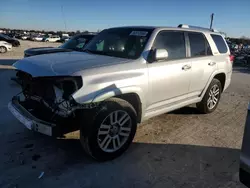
<point>5,47</point>
<point>24,37</point>
<point>38,38</point>
<point>52,39</point>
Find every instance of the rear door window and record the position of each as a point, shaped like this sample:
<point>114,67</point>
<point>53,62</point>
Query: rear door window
<point>199,45</point>
<point>220,43</point>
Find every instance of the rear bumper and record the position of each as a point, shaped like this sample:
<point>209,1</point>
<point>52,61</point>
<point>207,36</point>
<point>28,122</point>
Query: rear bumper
<point>228,80</point>
<point>227,83</point>
<point>30,121</point>
<point>245,153</point>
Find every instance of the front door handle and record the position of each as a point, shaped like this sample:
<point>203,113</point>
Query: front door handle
<point>186,67</point>
<point>212,63</point>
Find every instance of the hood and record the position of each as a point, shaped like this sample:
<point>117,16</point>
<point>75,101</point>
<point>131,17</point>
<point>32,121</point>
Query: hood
<point>44,50</point>
<point>64,64</point>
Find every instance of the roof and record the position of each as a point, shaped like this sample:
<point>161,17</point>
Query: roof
<point>141,27</point>
<point>204,30</point>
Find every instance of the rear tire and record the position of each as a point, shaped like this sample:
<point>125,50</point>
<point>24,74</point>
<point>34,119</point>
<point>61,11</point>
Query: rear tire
<point>211,98</point>
<point>3,49</point>
<point>112,129</point>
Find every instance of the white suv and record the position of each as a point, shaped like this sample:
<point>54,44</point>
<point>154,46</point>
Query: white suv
<point>124,76</point>
<point>52,39</point>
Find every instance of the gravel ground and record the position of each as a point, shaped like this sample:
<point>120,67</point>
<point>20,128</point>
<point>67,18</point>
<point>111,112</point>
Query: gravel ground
<point>179,149</point>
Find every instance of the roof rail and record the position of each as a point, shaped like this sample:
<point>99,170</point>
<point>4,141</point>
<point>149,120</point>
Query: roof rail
<point>196,27</point>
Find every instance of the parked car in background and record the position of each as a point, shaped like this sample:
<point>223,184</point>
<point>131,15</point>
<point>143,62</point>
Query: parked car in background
<point>5,47</point>
<point>11,35</point>
<point>76,43</point>
<point>123,77</point>
<point>38,38</point>
<point>52,38</point>
<point>10,40</point>
<point>245,153</point>
<point>64,39</point>
<point>24,37</point>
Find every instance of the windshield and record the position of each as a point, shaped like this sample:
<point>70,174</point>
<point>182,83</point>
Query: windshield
<point>120,42</point>
<point>77,42</point>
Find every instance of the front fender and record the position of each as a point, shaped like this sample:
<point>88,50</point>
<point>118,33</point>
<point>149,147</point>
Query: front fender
<point>118,91</point>
<point>112,91</point>
<point>124,90</point>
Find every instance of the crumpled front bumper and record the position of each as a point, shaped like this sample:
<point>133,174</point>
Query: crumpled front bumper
<point>30,121</point>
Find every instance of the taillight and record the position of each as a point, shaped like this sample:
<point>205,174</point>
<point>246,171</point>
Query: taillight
<point>231,57</point>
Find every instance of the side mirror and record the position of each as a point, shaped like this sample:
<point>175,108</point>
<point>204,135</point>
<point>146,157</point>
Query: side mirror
<point>161,54</point>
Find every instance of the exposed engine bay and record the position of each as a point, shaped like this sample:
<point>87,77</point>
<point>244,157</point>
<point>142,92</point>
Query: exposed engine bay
<point>49,98</point>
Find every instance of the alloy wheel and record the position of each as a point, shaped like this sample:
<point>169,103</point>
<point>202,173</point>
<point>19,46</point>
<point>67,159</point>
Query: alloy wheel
<point>213,97</point>
<point>114,131</point>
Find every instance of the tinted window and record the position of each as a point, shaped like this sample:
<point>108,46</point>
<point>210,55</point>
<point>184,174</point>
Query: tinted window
<point>173,42</point>
<point>199,45</point>
<point>220,43</point>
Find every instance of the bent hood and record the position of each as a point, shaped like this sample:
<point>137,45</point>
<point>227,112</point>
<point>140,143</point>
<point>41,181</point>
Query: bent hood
<point>64,64</point>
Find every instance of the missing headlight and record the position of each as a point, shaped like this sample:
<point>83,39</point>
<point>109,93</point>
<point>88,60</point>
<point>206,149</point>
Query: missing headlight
<point>69,85</point>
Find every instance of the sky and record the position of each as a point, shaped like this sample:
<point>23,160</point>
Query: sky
<point>231,16</point>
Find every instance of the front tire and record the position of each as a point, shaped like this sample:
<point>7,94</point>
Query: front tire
<point>211,98</point>
<point>113,128</point>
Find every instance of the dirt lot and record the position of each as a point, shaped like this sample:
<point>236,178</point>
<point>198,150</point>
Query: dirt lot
<point>179,149</point>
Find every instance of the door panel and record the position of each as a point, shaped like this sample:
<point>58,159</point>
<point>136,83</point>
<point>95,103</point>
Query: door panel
<point>202,69</point>
<point>169,81</point>
<point>203,62</point>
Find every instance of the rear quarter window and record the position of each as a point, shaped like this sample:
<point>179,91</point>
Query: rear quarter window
<point>220,43</point>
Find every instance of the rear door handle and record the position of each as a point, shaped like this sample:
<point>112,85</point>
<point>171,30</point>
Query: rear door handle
<point>212,63</point>
<point>186,67</point>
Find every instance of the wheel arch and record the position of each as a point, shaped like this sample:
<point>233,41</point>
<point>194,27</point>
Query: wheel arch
<point>135,101</point>
<point>220,75</point>
<point>133,95</point>
<point>222,78</point>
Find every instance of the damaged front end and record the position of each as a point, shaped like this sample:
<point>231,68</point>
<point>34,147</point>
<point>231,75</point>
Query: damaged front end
<point>47,100</point>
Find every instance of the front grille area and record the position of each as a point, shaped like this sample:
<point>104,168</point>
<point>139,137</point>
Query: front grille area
<point>36,87</point>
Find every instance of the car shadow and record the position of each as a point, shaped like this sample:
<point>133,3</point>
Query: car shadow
<point>143,165</point>
<point>186,110</point>
<point>150,165</point>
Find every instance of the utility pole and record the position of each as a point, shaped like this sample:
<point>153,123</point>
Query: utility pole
<point>63,18</point>
<point>211,20</point>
